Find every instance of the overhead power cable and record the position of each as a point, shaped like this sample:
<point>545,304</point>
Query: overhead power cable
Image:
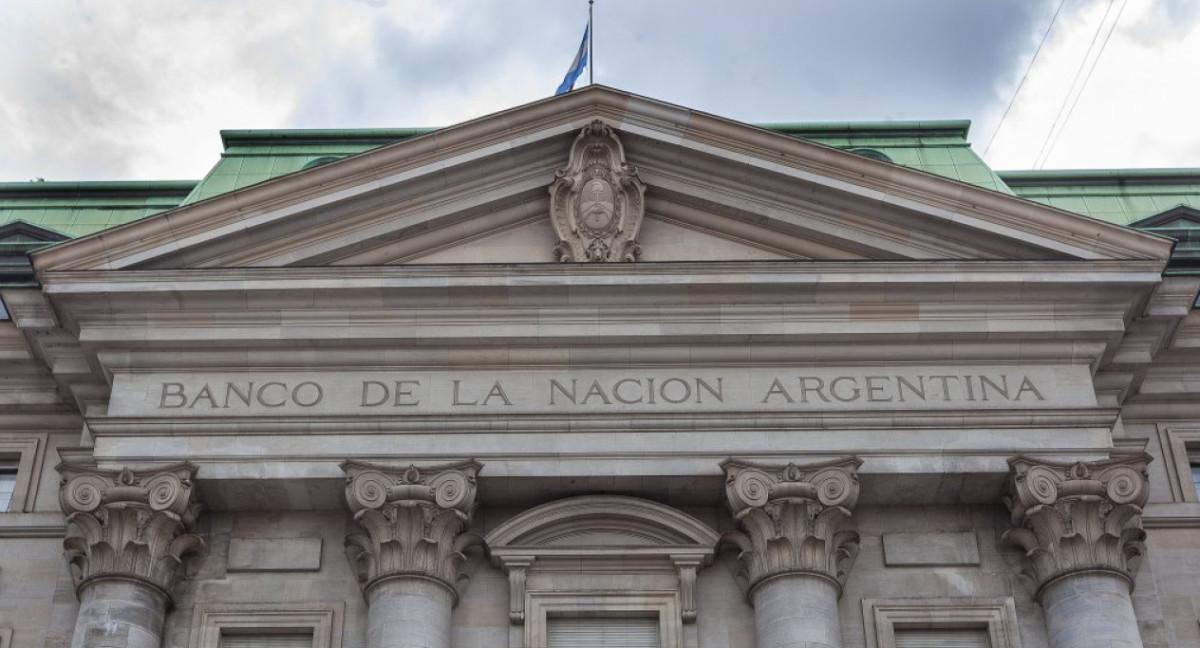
<point>1086,78</point>
<point>1025,75</point>
<point>1040,160</point>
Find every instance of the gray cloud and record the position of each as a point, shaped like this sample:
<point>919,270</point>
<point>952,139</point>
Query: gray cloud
<point>110,90</point>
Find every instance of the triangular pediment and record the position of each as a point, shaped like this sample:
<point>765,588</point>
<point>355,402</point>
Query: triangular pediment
<point>714,190</point>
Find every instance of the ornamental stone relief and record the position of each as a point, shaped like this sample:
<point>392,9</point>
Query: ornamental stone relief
<point>792,518</point>
<point>1078,517</point>
<point>133,525</point>
<point>413,520</point>
<point>596,201</point>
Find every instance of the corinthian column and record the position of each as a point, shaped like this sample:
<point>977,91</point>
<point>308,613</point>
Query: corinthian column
<point>407,560</point>
<point>1080,525</point>
<point>794,547</point>
<point>129,531</point>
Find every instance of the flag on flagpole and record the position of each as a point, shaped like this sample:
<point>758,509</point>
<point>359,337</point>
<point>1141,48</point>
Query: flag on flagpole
<point>577,65</point>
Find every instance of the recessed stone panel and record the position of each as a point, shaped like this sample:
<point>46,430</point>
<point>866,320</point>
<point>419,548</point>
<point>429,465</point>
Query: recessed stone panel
<point>274,554</point>
<point>930,549</point>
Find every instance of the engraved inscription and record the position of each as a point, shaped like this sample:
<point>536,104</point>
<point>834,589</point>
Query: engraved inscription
<point>479,391</point>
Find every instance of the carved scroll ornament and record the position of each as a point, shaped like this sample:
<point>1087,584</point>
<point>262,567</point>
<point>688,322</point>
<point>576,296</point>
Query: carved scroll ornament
<point>132,525</point>
<point>597,200</point>
<point>792,518</point>
<point>1078,517</point>
<point>413,520</point>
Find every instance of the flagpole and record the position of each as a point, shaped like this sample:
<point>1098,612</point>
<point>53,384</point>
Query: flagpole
<point>591,42</point>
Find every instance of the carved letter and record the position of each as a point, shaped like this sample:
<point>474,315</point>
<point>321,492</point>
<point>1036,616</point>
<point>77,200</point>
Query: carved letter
<point>855,392</point>
<point>317,395</point>
<point>172,390</point>
<point>496,392</point>
<point>717,393</point>
<point>686,395</point>
<point>902,382</point>
<point>555,386</point>
<point>777,389</point>
<point>245,398</point>
<point>205,393</point>
<point>1027,386</point>
<point>456,400</point>
<point>262,396</point>
<point>404,393</point>
<point>617,391</point>
<point>367,385</point>
<point>873,389</point>
<point>819,389</point>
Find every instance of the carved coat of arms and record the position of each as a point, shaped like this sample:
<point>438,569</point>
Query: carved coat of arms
<point>597,200</point>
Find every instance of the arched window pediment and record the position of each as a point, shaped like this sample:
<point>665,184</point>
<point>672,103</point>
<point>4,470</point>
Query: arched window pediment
<point>602,533</point>
<point>602,521</point>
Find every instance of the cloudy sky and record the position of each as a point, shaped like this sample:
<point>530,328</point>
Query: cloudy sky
<point>137,89</point>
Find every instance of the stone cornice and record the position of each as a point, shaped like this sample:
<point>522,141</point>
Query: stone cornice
<point>130,525</point>
<point>414,520</point>
<point>1147,272</point>
<point>792,518</point>
<point>1078,517</point>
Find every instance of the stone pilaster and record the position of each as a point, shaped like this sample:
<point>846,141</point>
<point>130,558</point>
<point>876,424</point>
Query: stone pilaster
<point>129,531</point>
<point>408,557</point>
<point>1080,527</point>
<point>794,545</point>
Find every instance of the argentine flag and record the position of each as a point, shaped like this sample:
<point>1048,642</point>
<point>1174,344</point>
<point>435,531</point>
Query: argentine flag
<point>577,65</point>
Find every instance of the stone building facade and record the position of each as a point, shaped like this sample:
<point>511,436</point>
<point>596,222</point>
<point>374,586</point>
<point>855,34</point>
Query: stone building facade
<point>602,371</point>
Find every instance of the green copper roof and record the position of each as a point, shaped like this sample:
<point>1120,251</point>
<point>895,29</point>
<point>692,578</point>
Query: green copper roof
<point>1121,196</point>
<point>75,209</point>
<point>253,156</point>
<point>938,147</point>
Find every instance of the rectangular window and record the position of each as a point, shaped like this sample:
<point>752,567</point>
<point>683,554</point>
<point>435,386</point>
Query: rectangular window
<point>602,633</point>
<point>942,638</point>
<point>267,641</point>
<point>1196,476</point>
<point>8,484</point>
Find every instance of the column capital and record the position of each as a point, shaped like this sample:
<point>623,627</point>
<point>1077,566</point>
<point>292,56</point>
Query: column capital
<point>130,524</point>
<point>413,519</point>
<point>1078,517</point>
<point>792,517</point>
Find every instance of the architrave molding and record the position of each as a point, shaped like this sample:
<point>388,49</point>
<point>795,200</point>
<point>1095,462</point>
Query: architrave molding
<point>881,618</point>
<point>211,621</point>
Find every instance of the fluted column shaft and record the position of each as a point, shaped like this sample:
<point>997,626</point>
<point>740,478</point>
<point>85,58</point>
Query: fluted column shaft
<point>407,557</point>
<point>794,546</point>
<point>128,533</point>
<point>1080,527</point>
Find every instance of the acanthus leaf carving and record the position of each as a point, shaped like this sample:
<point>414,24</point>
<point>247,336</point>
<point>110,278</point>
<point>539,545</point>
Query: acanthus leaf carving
<point>134,525</point>
<point>792,518</point>
<point>413,520</point>
<point>1078,517</point>
<point>597,201</point>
